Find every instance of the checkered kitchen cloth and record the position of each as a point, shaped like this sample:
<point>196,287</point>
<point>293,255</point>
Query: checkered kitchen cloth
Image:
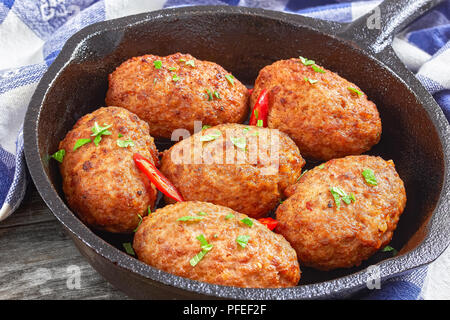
<point>32,32</point>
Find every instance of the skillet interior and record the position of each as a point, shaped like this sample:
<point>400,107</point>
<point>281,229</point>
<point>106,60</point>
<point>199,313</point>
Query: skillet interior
<point>242,43</point>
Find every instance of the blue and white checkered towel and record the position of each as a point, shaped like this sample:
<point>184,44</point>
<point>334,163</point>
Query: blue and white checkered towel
<point>32,32</point>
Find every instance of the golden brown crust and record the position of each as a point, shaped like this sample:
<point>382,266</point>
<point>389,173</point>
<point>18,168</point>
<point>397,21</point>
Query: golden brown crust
<point>325,119</point>
<point>327,238</point>
<point>268,261</point>
<point>102,184</point>
<point>246,186</point>
<point>167,105</point>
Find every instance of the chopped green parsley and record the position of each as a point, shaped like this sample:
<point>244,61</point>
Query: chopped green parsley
<point>369,176</point>
<point>390,249</point>
<point>125,143</point>
<point>98,132</point>
<point>355,91</point>
<point>311,81</point>
<point>339,194</point>
<point>190,63</point>
<point>316,68</point>
<point>239,142</point>
<point>229,216</point>
<point>59,155</point>
<point>128,248</point>
<point>190,218</point>
<point>242,240</point>
<point>157,64</point>
<point>80,142</point>
<point>230,79</point>
<point>211,136</point>
<point>247,221</point>
<point>205,248</point>
<point>140,221</point>
<point>306,61</point>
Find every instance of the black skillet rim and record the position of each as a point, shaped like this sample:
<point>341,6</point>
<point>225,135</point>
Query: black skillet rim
<point>434,243</point>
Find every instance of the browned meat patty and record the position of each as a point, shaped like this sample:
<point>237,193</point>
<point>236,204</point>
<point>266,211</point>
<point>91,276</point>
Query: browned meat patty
<point>235,166</point>
<point>263,259</point>
<point>327,237</point>
<point>178,93</point>
<point>326,119</point>
<point>101,183</point>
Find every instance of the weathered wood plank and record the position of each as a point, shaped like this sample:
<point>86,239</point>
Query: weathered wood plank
<point>32,210</point>
<point>39,261</point>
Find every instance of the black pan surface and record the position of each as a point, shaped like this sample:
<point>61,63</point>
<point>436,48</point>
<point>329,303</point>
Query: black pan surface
<point>243,40</point>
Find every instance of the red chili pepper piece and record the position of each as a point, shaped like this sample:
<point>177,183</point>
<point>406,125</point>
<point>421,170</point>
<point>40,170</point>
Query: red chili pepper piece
<point>250,91</point>
<point>261,109</point>
<point>269,222</point>
<point>156,177</point>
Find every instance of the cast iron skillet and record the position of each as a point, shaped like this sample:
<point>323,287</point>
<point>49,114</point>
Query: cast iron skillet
<point>415,131</point>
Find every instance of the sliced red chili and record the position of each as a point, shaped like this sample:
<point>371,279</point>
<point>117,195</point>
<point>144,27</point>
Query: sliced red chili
<point>156,177</point>
<point>260,110</point>
<point>269,222</point>
<point>250,91</point>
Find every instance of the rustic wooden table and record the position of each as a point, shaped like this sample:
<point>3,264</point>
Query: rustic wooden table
<point>39,261</point>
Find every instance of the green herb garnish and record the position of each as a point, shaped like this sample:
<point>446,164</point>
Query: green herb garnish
<point>173,68</point>
<point>98,132</point>
<point>369,176</point>
<point>321,166</point>
<point>80,142</point>
<point>149,210</point>
<point>125,143</point>
<point>259,123</point>
<point>210,136</point>
<point>217,95</point>
<point>230,79</point>
<point>316,68</point>
<point>242,240</point>
<point>312,81</point>
<point>306,61</point>
<point>201,213</point>
<point>229,216</point>
<point>209,95</point>
<point>59,155</point>
<point>302,174</point>
<point>390,249</point>
<point>239,142</point>
<point>197,258</point>
<point>128,248</point>
<point>247,221</point>
<point>355,91</point>
<point>157,64</point>
<point>175,77</point>
<point>190,63</point>
<point>120,135</point>
<point>205,248</point>
<point>339,194</point>
<point>140,221</point>
<point>206,126</point>
<point>190,218</point>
